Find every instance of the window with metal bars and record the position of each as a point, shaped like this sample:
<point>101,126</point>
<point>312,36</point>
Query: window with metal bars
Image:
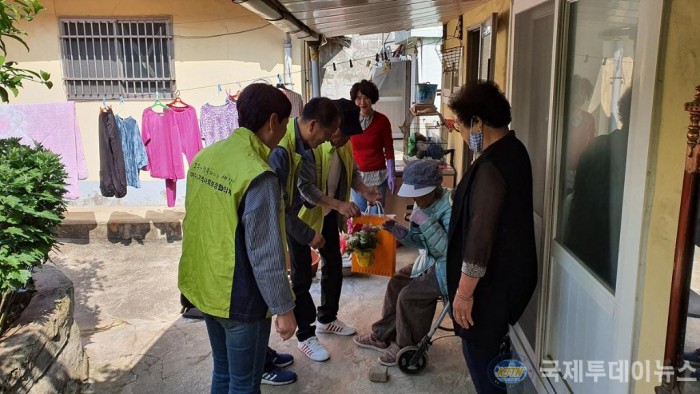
<point>112,58</point>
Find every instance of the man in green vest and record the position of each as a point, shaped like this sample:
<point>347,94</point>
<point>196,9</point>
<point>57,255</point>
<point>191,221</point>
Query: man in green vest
<point>232,266</point>
<point>319,119</point>
<point>325,179</point>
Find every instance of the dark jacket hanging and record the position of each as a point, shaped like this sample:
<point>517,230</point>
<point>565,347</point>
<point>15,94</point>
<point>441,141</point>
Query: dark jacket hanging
<point>112,168</point>
<point>511,271</point>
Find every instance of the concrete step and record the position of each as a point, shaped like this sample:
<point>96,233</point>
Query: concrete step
<point>121,225</point>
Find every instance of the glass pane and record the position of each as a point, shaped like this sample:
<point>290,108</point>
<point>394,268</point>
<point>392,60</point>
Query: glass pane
<point>485,58</point>
<point>601,55</point>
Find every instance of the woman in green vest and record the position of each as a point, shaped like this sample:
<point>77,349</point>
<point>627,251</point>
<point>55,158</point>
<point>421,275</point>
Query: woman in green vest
<point>232,266</point>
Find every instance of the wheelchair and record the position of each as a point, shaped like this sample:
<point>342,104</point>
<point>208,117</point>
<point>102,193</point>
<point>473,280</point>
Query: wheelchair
<point>412,360</point>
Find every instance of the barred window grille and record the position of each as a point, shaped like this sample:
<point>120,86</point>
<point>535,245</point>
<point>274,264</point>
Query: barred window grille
<point>112,58</point>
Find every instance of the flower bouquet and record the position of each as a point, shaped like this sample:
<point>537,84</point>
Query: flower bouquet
<point>361,240</point>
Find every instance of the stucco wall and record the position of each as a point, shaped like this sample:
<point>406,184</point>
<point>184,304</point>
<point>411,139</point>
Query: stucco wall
<point>476,16</point>
<point>198,63</point>
<point>679,74</point>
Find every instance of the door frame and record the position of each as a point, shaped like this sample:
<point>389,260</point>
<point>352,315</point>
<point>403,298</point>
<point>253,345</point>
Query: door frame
<point>637,188</point>
<point>534,351</point>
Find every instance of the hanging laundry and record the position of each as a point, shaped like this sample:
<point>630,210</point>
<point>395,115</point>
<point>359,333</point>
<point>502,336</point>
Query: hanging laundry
<point>296,100</point>
<point>135,157</point>
<point>163,148</point>
<point>55,126</point>
<point>601,99</point>
<point>187,126</point>
<point>112,169</point>
<point>217,122</point>
<point>167,136</point>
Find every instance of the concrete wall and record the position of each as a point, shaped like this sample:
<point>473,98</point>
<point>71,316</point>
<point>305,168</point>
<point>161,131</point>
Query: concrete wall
<point>474,17</point>
<point>677,78</point>
<point>337,83</point>
<point>198,63</point>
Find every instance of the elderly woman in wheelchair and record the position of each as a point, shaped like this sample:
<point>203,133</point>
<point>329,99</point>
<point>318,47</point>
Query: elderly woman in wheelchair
<point>412,293</point>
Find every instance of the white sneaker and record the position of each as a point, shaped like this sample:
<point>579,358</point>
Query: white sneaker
<point>313,349</point>
<point>335,327</point>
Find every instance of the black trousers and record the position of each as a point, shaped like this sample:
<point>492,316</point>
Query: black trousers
<point>331,279</point>
<point>481,343</point>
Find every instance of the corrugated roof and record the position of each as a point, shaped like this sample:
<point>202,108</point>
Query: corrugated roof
<point>340,17</point>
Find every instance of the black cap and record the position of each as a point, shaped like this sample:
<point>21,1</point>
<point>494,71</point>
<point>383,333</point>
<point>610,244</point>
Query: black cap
<point>350,125</point>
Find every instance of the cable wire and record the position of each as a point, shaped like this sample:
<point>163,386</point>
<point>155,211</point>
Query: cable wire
<point>222,34</point>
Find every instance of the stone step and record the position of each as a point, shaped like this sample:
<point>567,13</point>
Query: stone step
<point>121,225</point>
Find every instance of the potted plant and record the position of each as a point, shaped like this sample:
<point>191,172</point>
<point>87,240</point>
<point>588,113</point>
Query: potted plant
<point>31,206</point>
<point>360,240</point>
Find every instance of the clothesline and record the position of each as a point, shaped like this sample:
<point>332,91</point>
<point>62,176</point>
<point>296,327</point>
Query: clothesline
<point>331,65</point>
<point>275,75</point>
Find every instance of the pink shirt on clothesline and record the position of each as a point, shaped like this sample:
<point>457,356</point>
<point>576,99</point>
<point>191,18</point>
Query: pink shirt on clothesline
<point>188,127</point>
<point>167,136</point>
<point>163,146</point>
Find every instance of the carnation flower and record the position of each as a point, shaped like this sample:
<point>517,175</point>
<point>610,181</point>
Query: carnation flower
<point>360,238</point>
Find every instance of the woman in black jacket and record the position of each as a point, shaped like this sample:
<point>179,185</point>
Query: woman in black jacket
<point>491,257</point>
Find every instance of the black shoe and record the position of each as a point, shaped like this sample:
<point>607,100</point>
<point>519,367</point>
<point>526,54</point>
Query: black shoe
<point>280,360</point>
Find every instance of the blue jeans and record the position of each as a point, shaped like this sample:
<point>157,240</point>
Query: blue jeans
<point>362,203</point>
<point>239,350</point>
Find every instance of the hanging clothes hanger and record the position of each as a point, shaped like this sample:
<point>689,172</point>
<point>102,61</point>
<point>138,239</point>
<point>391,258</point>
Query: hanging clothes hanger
<point>234,97</point>
<point>158,104</point>
<point>177,102</point>
<point>105,107</point>
<point>261,80</point>
<point>280,84</point>
<point>218,95</point>
<point>120,108</point>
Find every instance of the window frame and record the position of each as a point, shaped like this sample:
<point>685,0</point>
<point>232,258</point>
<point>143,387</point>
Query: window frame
<point>124,86</point>
<point>475,42</point>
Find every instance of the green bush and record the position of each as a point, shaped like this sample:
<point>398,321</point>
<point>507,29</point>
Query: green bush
<point>31,206</point>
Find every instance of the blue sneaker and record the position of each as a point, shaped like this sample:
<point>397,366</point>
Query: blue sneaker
<point>280,360</point>
<point>278,377</point>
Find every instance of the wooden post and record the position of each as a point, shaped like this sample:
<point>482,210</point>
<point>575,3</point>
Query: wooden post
<point>685,244</point>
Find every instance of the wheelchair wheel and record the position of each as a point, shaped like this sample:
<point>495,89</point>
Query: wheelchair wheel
<point>404,357</point>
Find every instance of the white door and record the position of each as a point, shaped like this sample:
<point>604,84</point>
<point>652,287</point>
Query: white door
<point>603,138</point>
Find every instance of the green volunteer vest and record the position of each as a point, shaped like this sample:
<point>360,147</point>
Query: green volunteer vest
<point>322,156</point>
<point>216,184</point>
<point>288,142</point>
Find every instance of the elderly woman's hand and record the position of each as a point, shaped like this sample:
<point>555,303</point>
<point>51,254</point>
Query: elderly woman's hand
<point>462,310</point>
<point>395,229</point>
